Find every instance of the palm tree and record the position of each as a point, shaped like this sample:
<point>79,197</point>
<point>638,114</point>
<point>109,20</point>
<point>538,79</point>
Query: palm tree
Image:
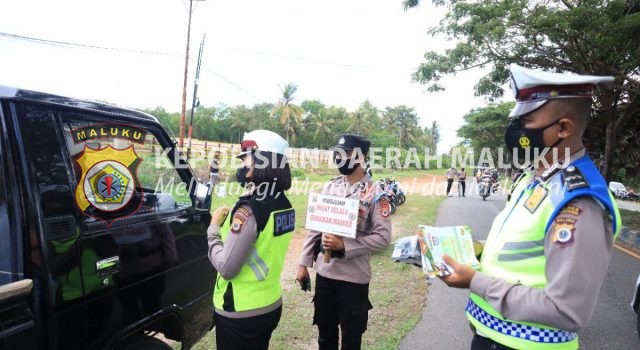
<point>324,130</point>
<point>240,122</point>
<point>405,121</point>
<point>290,115</point>
<point>358,122</point>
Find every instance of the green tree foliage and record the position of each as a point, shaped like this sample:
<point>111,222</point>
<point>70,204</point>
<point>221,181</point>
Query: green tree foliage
<point>484,128</point>
<point>319,126</point>
<point>581,36</point>
<point>404,121</point>
<point>324,132</point>
<point>290,115</point>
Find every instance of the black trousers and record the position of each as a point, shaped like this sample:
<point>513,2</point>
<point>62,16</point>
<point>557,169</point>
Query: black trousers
<point>482,343</point>
<point>463,183</point>
<point>249,333</point>
<point>449,183</point>
<point>340,303</point>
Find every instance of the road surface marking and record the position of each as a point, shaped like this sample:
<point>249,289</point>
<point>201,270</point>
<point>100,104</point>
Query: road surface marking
<point>627,251</point>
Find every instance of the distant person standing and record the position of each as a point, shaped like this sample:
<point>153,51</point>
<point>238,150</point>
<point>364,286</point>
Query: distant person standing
<point>462,178</point>
<point>214,168</point>
<point>450,174</point>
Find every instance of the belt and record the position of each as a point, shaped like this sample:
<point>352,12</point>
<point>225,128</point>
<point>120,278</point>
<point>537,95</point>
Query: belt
<point>517,330</point>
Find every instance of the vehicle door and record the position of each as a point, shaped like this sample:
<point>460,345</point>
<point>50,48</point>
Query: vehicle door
<point>17,319</point>
<point>121,240</point>
<point>143,243</point>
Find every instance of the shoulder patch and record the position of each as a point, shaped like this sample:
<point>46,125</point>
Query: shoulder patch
<point>385,207</point>
<point>239,218</point>
<point>573,178</point>
<point>563,231</point>
<point>571,210</point>
<point>284,222</point>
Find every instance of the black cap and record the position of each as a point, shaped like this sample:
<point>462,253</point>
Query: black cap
<point>349,142</point>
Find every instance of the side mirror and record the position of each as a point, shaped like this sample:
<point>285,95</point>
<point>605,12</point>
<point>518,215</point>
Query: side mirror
<point>203,197</point>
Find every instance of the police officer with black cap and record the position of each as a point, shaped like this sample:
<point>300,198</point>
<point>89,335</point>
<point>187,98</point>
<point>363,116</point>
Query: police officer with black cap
<point>342,282</point>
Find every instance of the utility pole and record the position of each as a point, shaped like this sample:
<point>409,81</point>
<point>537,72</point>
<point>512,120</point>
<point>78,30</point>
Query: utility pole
<point>195,96</point>
<point>186,71</point>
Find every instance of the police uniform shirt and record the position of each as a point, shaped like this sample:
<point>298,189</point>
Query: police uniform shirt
<point>450,173</point>
<point>228,258</point>
<point>373,233</point>
<point>576,266</point>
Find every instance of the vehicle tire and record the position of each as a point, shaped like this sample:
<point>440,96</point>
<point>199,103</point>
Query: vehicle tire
<point>143,342</point>
<point>393,206</point>
<point>401,199</point>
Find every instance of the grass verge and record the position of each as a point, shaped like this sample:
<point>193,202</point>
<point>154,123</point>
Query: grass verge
<point>630,219</point>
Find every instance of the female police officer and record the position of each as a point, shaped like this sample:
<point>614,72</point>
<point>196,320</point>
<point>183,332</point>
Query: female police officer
<point>248,247</point>
<point>342,284</point>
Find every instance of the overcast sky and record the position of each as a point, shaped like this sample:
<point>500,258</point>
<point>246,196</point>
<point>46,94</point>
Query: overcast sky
<point>339,52</point>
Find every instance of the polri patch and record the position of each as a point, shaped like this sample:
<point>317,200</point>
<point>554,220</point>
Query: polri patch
<point>571,210</point>
<point>239,218</point>
<point>284,222</point>
<point>385,207</point>
<point>535,199</point>
<point>563,231</point>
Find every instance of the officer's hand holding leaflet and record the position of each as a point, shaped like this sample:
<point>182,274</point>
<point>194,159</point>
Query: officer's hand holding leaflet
<point>461,275</point>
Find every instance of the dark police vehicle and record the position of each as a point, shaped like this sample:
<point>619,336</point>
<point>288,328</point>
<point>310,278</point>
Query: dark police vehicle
<point>102,229</point>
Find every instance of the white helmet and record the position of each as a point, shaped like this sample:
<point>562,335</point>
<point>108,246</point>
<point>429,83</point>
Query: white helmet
<point>262,140</point>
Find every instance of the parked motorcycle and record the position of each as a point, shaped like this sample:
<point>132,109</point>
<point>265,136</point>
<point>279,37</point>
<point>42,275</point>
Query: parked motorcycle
<point>399,193</point>
<point>386,185</point>
<point>620,192</point>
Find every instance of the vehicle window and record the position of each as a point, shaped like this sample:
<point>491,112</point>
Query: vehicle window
<point>6,268</point>
<point>121,170</point>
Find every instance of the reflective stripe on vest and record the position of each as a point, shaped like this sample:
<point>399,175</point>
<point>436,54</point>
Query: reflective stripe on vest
<point>257,265</point>
<point>257,284</point>
<point>518,330</point>
<point>515,252</point>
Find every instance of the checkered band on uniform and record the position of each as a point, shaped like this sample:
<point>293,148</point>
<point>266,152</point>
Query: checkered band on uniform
<point>532,333</point>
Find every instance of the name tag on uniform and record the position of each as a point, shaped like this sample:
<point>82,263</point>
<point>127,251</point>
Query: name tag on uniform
<point>284,222</point>
<point>535,198</point>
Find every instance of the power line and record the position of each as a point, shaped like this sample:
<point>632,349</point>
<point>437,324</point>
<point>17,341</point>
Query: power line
<point>232,83</point>
<point>85,46</point>
<point>59,43</point>
<point>303,59</point>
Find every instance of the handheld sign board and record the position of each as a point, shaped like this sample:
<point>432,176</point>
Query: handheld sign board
<point>334,215</point>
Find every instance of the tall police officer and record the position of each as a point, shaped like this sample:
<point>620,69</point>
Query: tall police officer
<point>248,247</point>
<point>342,284</point>
<point>547,253</point>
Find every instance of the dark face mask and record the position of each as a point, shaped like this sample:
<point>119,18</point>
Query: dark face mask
<point>529,143</point>
<point>346,166</point>
<point>241,175</point>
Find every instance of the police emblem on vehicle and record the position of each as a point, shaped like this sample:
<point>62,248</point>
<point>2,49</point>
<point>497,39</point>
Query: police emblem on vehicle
<point>107,189</point>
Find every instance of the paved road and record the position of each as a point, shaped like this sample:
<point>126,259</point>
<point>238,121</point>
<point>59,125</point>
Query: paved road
<point>613,325</point>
